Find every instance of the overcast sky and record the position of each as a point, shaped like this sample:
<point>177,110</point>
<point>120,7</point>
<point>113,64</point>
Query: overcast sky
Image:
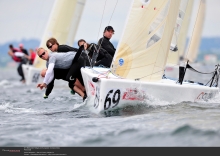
<point>27,19</point>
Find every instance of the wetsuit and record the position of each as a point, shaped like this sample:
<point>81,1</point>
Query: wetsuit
<point>82,62</point>
<point>66,48</point>
<point>103,58</point>
<point>77,64</point>
<point>107,45</point>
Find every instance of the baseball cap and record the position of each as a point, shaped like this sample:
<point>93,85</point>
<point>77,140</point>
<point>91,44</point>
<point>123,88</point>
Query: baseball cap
<point>108,28</point>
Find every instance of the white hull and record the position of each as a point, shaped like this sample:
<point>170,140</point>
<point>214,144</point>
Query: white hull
<point>32,75</point>
<point>110,92</point>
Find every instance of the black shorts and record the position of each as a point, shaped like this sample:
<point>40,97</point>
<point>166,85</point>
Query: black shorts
<point>74,71</point>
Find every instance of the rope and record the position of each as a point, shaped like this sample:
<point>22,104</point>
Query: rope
<point>108,24</point>
<point>101,20</point>
<point>192,69</point>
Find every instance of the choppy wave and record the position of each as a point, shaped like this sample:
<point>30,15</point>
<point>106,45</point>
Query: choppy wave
<point>27,119</point>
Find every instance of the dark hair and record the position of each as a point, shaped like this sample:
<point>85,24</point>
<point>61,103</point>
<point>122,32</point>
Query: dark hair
<point>82,40</point>
<point>108,28</point>
<point>52,41</point>
<point>10,46</point>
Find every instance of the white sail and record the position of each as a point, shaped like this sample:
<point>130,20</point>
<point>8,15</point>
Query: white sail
<point>197,32</point>
<point>143,49</point>
<point>180,33</point>
<point>62,24</point>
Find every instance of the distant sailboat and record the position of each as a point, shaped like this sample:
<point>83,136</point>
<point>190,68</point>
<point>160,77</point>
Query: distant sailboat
<point>62,24</point>
<point>138,64</point>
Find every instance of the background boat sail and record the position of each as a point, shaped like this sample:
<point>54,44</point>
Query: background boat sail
<point>62,25</point>
<point>192,53</point>
<point>180,33</point>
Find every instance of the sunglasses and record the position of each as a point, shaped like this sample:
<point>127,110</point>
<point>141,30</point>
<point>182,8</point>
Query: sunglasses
<point>42,54</point>
<point>50,46</point>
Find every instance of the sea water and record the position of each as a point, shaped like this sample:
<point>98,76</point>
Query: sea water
<point>64,120</point>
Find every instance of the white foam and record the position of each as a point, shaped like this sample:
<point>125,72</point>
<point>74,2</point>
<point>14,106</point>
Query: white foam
<point>4,82</point>
<point>9,108</point>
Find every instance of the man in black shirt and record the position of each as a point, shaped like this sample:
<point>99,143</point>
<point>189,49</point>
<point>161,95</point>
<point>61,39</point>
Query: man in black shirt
<point>104,41</point>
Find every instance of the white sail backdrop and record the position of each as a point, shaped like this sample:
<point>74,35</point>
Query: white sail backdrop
<point>181,30</point>
<point>197,32</point>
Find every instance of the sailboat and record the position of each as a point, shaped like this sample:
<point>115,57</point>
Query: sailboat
<point>139,62</point>
<point>62,25</point>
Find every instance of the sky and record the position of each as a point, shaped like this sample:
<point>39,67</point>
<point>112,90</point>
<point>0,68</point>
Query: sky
<point>27,19</point>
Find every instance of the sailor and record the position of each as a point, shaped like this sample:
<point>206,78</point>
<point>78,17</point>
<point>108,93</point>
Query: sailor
<point>53,45</point>
<point>103,58</point>
<point>61,61</point>
<point>105,40</point>
<point>18,56</point>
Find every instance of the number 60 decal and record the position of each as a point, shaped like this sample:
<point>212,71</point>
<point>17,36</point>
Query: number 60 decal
<point>115,99</point>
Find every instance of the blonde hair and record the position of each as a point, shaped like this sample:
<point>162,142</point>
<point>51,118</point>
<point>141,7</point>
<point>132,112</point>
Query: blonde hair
<point>38,50</point>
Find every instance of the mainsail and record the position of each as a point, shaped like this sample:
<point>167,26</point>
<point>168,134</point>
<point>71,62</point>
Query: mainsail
<point>62,24</point>
<point>143,49</point>
<point>197,32</point>
<point>180,33</point>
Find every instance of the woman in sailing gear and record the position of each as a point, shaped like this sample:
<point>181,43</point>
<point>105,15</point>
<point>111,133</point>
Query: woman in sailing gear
<point>105,40</point>
<point>97,55</point>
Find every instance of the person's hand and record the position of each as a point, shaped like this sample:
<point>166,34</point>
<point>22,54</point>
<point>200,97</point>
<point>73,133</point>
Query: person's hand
<point>45,96</point>
<point>42,85</point>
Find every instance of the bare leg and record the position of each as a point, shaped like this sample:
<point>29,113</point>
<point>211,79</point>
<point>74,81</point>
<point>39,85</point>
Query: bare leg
<point>79,91</point>
<point>79,85</point>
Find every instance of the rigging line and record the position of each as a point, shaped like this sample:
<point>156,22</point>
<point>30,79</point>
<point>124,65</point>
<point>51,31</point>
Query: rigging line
<point>193,29</point>
<point>152,74</point>
<point>101,20</point>
<point>108,24</point>
<point>113,12</point>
